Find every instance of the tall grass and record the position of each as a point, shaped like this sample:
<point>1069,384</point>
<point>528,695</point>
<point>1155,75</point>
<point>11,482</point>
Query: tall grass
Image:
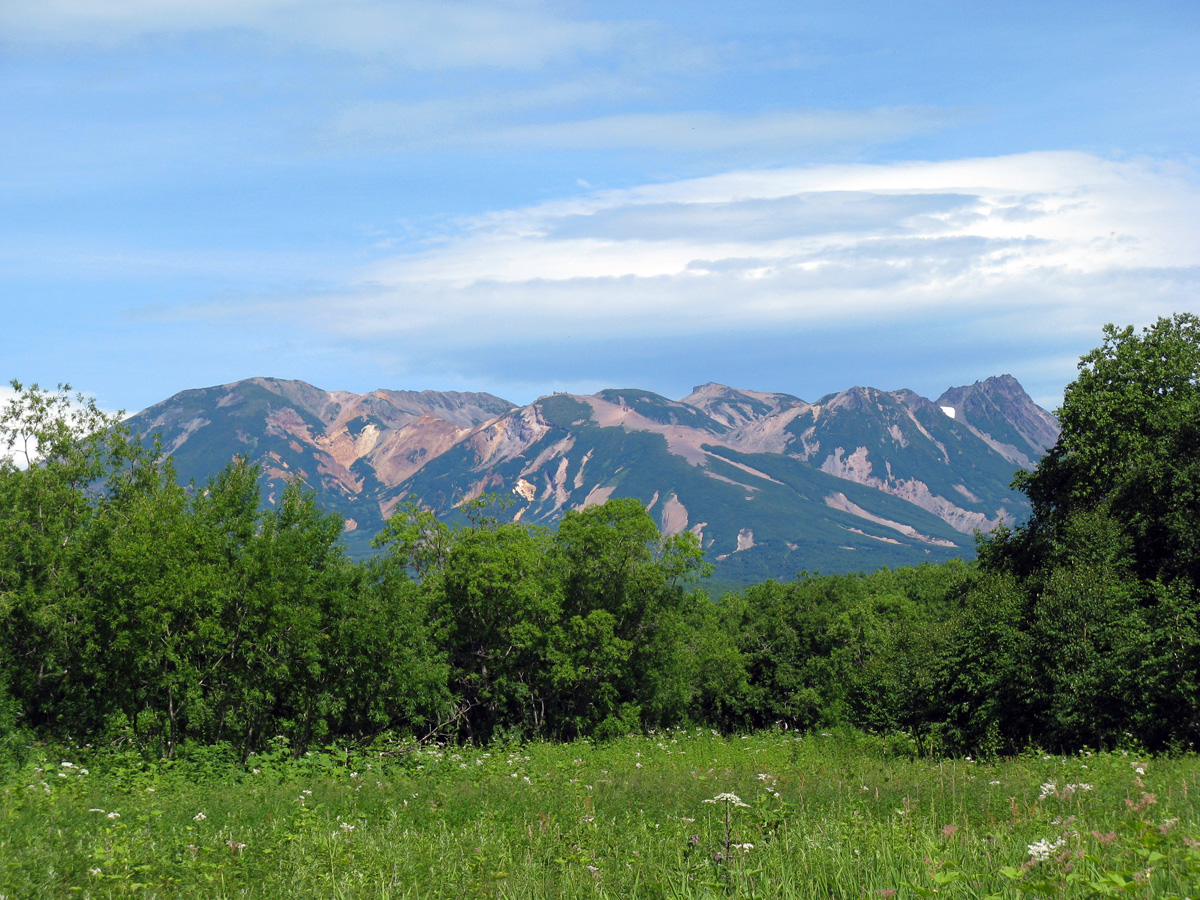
<point>817,816</point>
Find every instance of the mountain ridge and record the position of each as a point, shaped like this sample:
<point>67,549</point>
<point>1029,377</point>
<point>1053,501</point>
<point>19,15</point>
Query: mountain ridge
<point>770,483</point>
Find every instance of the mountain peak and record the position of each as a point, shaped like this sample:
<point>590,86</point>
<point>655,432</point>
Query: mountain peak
<point>768,483</point>
<point>999,411</point>
<point>735,407</point>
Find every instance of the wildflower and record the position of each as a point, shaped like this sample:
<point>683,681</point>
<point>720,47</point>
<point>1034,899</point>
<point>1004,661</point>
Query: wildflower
<point>1146,801</point>
<point>731,799</point>
<point>346,827</point>
<point>745,848</point>
<point>236,846</point>
<point>95,810</point>
<point>993,782</point>
<point>95,871</point>
<point>1040,851</point>
<point>688,821</point>
<point>114,815</point>
<point>199,817</point>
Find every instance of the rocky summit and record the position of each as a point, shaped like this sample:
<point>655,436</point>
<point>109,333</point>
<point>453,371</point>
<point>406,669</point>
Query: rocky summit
<point>770,484</point>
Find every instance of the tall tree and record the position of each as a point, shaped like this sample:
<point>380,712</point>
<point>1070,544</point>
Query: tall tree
<point>1130,425</point>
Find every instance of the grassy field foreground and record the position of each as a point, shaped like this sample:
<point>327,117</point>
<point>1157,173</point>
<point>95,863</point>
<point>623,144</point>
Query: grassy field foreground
<point>679,814</point>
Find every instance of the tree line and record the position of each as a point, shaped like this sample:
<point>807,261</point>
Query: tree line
<point>134,607</point>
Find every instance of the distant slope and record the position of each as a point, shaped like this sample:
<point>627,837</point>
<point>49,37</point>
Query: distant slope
<point>769,483</point>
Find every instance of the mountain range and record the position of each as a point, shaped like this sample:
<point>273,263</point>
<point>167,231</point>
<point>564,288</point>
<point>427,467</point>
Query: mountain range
<point>770,484</point>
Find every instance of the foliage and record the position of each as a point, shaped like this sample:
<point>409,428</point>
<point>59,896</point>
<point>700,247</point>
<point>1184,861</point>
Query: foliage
<point>1106,599</point>
<point>182,619</point>
<point>679,813</point>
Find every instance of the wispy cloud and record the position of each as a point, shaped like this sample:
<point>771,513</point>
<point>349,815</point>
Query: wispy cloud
<point>483,125</point>
<point>1036,242</point>
<point>423,34</point>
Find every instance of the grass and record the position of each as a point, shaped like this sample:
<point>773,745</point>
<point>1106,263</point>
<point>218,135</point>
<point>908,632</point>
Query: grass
<point>823,816</point>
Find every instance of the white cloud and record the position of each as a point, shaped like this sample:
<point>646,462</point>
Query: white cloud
<point>424,34</point>
<point>1059,237</point>
<point>1031,252</point>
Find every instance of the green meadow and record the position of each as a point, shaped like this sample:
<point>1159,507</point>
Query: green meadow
<point>684,813</point>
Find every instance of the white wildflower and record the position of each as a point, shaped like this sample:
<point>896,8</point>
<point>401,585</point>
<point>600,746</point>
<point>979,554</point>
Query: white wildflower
<point>199,817</point>
<point>1040,851</point>
<point>731,799</point>
<point>114,815</point>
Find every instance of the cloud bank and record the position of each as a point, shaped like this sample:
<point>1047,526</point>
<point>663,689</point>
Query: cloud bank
<point>1061,240</point>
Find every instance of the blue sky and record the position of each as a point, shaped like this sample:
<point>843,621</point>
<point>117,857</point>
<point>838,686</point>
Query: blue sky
<point>521,197</point>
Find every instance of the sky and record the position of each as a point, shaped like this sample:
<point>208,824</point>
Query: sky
<point>525,197</point>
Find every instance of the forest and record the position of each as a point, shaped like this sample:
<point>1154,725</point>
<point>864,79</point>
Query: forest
<point>135,609</point>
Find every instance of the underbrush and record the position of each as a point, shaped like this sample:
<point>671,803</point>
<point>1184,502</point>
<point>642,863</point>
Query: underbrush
<point>676,814</point>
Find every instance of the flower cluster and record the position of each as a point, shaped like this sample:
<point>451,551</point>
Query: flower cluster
<point>731,799</point>
<point>1040,851</point>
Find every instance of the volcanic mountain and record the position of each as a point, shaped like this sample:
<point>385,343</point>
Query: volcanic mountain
<point>770,484</point>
